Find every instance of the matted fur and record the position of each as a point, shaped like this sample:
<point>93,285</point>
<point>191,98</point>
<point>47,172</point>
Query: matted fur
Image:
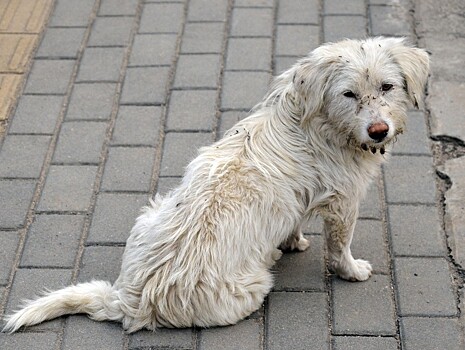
<point>201,255</point>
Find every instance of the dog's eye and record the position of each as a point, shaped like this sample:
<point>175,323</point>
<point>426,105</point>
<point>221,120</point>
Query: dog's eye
<point>386,87</point>
<point>349,94</point>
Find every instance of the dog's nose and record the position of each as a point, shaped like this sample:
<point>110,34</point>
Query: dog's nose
<point>378,131</point>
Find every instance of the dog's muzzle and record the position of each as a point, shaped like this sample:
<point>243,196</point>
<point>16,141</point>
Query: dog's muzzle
<point>378,131</point>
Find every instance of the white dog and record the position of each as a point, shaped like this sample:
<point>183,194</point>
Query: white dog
<point>201,255</point>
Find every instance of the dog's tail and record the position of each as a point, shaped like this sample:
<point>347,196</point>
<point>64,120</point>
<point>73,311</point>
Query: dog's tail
<point>98,299</point>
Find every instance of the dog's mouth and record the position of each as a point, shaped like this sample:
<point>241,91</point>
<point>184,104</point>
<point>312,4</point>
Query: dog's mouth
<point>373,149</point>
<point>381,145</point>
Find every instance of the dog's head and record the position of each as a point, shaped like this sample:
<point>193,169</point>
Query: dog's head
<point>361,89</point>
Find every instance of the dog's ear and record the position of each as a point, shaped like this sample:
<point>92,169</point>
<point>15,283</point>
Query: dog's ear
<point>310,82</point>
<point>414,63</point>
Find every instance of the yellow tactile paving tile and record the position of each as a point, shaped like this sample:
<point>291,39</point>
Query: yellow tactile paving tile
<point>21,22</point>
<point>15,51</point>
<point>24,16</point>
<point>9,84</point>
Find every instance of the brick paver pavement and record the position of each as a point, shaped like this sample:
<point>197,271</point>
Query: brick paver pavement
<point>120,95</point>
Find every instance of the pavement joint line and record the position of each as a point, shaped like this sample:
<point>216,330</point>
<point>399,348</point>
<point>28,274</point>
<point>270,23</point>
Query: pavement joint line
<point>168,92</point>
<point>49,267</point>
<point>390,250</point>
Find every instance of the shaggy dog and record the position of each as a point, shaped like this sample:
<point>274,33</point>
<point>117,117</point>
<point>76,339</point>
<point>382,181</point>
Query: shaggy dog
<point>201,255</point>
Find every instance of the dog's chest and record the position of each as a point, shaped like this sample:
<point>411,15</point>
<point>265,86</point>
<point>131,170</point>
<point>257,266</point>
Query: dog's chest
<point>347,175</point>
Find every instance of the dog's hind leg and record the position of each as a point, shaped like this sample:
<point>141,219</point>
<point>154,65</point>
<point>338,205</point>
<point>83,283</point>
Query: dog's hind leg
<point>339,229</point>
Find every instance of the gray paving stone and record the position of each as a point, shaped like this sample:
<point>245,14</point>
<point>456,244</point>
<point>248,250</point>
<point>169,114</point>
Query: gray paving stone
<point>153,49</point>
<point>454,210</point>
<point>409,179</point>
<point>364,343</point>
<point>114,216</point>
<point>446,102</point>
<point>415,138</point>
<point>198,71</point>
<point>22,156</point>
<point>111,31</point>
<point>145,85</point>
<point>118,7</point>
<point>257,314</point>
<point>128,169</point>
<point>249,54</point>
<point>100,263</point>
<point>203,38</point>
<point>137,125</point>
<point>61,43</point>
<point>53,241</point>
<point>80,142</point>
<point>49,76</point>
<point>415,231</point>
<point>431,334</point>
<point>217,10</point>
<point>243,90</point>
<point>283,63</point>
<point>82,333</point>
<point>15,198</point>
<point>192,110</point>
<point>29,283</point>
<point>101,64</point>
<point>296,40</point>
<point>8,245</point>
<point>228,120</point>
<point>161,18</point>
<point>166,184</point>
<point>252,22</point>
<point>91,101</point>
<point>344,7</point>
<point>368,244</point>
<point>162,338</point>
<point>36,114</point>
<point>364,308</point>
<point>38,341</point>
<point>246,335</point>
<point>390,20</point>
<point>302,271</point>
<point>440,20</point>
<point>297,321</point>
<point>179,149</point>
<point>336,28</point>
<point>424,287</point>
<point>299,11</point>
<point>71,13</point>
<point>254,3</point>
<point>450,49</point>
<point>314,226</point>
<point>68,188</point>
<point>370,206</point>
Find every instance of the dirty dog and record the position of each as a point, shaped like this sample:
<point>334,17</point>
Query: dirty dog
<point>201,255</point>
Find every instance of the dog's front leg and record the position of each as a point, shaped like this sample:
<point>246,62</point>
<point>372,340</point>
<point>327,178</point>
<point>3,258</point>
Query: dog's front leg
<point>339,224</point>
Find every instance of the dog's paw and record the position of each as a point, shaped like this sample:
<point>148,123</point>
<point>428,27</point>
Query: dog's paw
<point>357,270</point>
<point>276,255</point>
<point>302,244</point>
<point>295,243</point>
